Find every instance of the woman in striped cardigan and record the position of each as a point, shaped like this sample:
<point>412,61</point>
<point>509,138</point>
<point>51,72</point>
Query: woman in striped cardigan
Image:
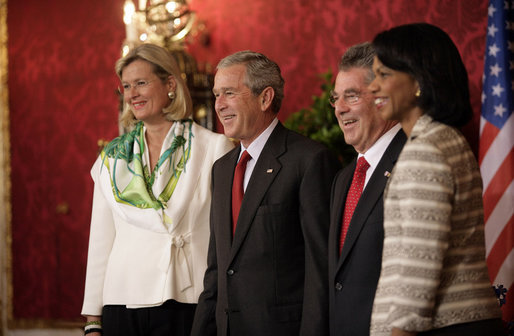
<point>434,277</point>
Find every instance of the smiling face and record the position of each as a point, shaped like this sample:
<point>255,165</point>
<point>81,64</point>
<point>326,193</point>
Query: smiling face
<point>145,101</point>
<point>394,93</point>
<point>243,115</point>
<point>360,123</point>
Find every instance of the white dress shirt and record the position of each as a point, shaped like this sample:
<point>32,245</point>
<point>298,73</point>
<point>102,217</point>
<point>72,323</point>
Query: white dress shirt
<point>255,150</point>
<point>374,154</point>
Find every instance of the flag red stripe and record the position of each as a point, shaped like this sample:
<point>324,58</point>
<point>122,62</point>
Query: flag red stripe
<point>501,180</point>
<point>489,133</point>
<point>501,249</point>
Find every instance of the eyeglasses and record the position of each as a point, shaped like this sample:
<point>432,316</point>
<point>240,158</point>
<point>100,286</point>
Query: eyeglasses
<point>352,98</point>
<point>140,84</point>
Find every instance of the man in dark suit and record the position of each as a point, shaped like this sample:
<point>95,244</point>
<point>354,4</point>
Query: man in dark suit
<point>355,251</point>
<point>266,272</point>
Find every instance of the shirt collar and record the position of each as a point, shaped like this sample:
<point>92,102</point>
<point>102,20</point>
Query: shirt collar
<point>374,154</point>
<point>257,145</point>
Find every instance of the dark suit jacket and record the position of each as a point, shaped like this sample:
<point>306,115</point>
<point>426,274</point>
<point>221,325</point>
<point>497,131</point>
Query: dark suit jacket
<point>271,279</point>
<point>353,276</point>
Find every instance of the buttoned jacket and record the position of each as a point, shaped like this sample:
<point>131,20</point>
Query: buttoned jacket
<point>354,274</point>
<point>271,279</point>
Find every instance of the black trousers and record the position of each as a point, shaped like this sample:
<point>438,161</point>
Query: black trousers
<point>493,327</point>
<point>170,319</point>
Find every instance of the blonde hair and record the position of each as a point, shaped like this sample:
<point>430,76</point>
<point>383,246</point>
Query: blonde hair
<point>164,65</point>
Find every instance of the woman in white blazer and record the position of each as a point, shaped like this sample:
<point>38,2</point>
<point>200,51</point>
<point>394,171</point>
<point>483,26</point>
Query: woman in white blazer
<point>149,228</point>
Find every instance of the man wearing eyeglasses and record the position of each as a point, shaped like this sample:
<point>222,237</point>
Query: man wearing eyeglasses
<point>356,219</point>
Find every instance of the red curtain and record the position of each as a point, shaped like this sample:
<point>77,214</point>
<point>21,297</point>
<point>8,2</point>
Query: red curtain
<point>62,101</point>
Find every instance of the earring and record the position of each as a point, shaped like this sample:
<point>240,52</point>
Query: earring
<point>418,93</point>
<point>171,95</point>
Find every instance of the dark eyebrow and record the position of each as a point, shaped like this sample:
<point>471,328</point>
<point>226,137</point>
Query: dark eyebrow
<point>380,68</point>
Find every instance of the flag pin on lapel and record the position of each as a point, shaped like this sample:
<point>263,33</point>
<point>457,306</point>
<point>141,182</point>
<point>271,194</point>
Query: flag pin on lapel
<point>387,174</point>
<point>269,171</point>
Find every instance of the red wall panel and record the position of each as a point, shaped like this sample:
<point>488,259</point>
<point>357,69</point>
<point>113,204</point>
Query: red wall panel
<point>308,37</point>
<point>62,100</point>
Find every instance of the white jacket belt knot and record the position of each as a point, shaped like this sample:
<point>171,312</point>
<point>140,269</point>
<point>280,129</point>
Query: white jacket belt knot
<point>174,259</point>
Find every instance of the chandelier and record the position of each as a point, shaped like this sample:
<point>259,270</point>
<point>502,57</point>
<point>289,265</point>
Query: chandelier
<point>168,24</point>
<point>165,23</point>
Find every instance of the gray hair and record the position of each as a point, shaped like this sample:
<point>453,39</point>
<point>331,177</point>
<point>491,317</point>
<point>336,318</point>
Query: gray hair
<point>261,72</point>
<point>359,56</point>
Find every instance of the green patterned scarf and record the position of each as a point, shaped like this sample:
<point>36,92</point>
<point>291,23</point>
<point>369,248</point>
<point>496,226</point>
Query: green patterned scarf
<point>131,180</point>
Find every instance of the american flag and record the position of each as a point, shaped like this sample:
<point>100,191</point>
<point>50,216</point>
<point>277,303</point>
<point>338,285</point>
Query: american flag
<point>496,153</point>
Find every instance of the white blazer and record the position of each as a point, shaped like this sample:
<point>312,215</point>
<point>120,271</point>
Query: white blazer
<point>146,265</point>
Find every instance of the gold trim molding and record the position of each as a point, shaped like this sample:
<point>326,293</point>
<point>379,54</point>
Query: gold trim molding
<point>7,320</point>
<point>5,178</point>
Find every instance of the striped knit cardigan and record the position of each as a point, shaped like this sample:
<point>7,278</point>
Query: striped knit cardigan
<point>433,264</point>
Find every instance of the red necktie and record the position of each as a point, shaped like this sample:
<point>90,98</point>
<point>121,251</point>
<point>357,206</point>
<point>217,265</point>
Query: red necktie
<point>354,193</point>
<point>237,188</point>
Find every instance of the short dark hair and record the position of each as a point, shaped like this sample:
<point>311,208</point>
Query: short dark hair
<point>261,72</point>
<point>428,54</point>
<point>359,56</point>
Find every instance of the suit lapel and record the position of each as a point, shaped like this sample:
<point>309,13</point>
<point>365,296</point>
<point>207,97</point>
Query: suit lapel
<point>372,195</point>
<point>366,203</point>
<point>264,173</point>
<point>340,192</point>
<point>224,199</point>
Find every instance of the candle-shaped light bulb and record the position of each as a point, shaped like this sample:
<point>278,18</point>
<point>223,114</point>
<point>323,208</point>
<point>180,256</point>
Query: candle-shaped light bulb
<point>129,11</point>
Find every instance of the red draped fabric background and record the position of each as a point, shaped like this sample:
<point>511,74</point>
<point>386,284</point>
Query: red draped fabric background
<point>62,101</point>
